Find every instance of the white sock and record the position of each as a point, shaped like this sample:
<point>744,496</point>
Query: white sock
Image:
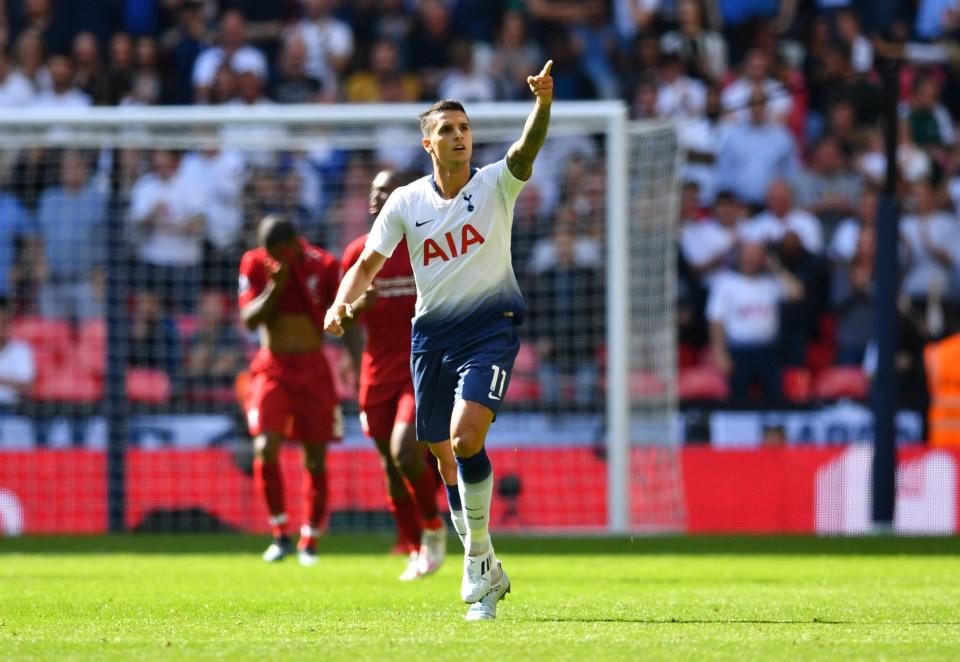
<point>459,525</point>
<point>476,499</point>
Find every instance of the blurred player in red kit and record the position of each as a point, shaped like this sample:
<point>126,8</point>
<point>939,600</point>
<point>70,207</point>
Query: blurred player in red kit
<point>387,403</point>
<point>285,285</point>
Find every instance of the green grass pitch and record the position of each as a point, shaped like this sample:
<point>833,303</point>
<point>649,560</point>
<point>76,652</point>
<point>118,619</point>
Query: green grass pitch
<point>189,597</point>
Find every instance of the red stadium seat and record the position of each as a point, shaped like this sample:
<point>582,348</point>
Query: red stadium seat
<point>51,336</point>
<point>645,383</point>
<point>148,386</point>
<point>842,382</point>
<point>703,382</point>
<point>797,385</point>
<point>92,347</point>
<point>526,361</point>
<point>67,384</point>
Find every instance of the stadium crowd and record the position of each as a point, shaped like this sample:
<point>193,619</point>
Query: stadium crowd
<point>778,106</point>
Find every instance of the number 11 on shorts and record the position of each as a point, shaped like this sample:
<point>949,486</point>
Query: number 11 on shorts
<point>498,374</point>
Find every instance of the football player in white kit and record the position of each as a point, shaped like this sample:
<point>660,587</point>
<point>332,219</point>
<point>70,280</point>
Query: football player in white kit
<point>457,225</point>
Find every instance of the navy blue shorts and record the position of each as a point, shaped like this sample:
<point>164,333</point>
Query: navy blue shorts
<point>478,371</point>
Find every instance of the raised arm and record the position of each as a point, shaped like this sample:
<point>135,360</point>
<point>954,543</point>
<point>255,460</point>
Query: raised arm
<point>522,153</point>
<point>355,282</point>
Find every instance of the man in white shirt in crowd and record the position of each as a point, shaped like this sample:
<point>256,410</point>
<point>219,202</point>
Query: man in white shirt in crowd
<point>17,365</point>
<point>168,218</point>
<point>222,174</point>
<point>233,50</point>
<point>15,90</point>
<point>63,94</point>
<point>780,218</point>
<point>744,315</point>
<point>329,42</point>
<point>931,237</point>
<point>755,153</point>
<point>678,95</point>
<point>701,137</point>
<point>756,73</point>
<point>705,243</point>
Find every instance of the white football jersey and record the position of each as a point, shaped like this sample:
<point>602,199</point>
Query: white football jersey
<point>460,252</point>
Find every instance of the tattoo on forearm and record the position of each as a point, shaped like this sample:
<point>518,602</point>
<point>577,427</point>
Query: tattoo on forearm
<point>522,153</point>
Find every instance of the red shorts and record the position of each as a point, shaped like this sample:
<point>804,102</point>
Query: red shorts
<point>293,394</point>
<point>382,407</point>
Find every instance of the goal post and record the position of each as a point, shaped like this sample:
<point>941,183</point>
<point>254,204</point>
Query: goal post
<point>606,441</point>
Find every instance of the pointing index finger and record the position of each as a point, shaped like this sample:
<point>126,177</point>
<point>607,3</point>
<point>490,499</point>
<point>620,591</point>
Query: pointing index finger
<point>546,68</point>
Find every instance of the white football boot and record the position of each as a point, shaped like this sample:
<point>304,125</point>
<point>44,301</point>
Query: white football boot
<point>485,609</point>
<point>477,576</point>
<point>277,550</point>
<point>413,568</point>
<point>433,550</point>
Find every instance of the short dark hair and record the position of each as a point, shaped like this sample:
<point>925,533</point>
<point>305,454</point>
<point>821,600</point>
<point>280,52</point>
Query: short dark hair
<point>276,230</point>
<point>439,107</point>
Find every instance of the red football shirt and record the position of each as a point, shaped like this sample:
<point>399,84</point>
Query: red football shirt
<point>312,286</point>
<point>386,357</point>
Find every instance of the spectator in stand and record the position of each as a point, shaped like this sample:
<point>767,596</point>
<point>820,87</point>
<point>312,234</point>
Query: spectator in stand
<point>233,51</point>
<point>18,245</point>
<point>90,77</point>
<point>182,45</point>
<point>798,318</point>
<point>861,50</point>
<point>120,70</point>
<point>707,244</point>
<point>830,189</point>
<point>702,51</point>
<point>154,341</point>
<point>842,127</point>
<point>250,90</point>
<point>701,137</point>
<point>393,22</point>
<point>226,86</point>
<point>570,82</point>
<point>215,350</point>
<point>428,50</point>
<point>931,127</point>
<point>566,313</point>
<point>846,238</point>
<point>852,299</point>
<point>644,101</point>
<point>932,240</point>
<point>71,218</point>
<point>222,176</point>
<point>914,163</point>
<point>595,39</point>
<point>168,223</point>
<point>464,81</point>
<point>294,84</point>
<point>329,42</point>
<point>514,57</point>
<point>63,94</point>
<point>633,17</point>
<point>29,51</point>
<point>641,62</point>
<point>367,86</point>
<point>739,95</point>
<point>147,83</point>
<point>744,315</point>
<point>780,218</point>
<point>935,17</point>
<point>17,364</point>
<point>528,229</point>
<point>15,89</point>
<point>754,153</point>
<point>678,95</point>
<point>841,82</point>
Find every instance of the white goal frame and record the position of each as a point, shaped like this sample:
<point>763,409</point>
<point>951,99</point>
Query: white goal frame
<point>603,117</point>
